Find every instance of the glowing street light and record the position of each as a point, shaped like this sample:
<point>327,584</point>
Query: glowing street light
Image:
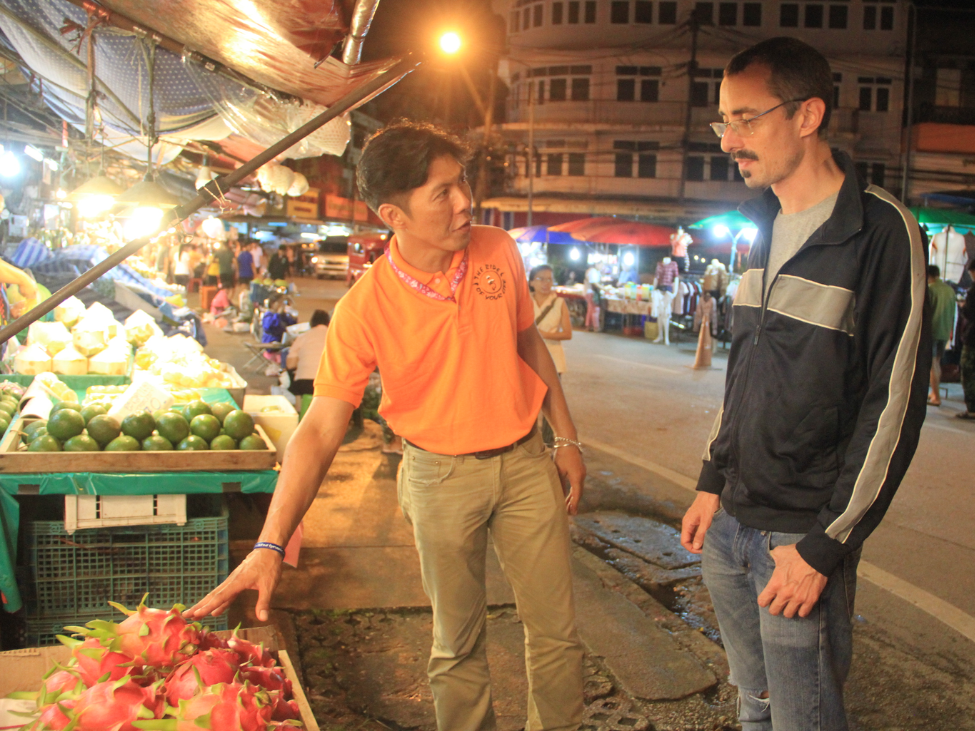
<point>450,43</point>
<point>574,254</point>
<point>9,165</point>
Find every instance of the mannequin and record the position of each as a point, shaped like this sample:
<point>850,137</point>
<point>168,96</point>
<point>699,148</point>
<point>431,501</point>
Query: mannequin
<point>665,283</point>
<point>716,278</point>
<point>678,247</point>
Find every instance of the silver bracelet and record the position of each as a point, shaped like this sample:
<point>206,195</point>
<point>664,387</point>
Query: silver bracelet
<point>565,442</point>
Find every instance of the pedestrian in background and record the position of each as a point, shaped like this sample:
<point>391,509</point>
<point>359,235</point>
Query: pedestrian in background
<point>824,396</point>
<point>968,348</point>
<point>591,282</point>
<point>554,324</point>
<point>943,310</point>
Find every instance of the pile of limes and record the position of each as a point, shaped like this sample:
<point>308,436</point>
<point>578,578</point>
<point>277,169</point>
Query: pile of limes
<point>9,403</point>
<point>193,426</point>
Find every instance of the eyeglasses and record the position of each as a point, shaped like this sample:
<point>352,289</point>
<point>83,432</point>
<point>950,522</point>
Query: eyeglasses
<point>743,127</point>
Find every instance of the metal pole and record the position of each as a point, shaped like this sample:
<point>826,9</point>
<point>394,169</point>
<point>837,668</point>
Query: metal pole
<point>214,191</point>
<point>531,147</point>
<point>909,122</point>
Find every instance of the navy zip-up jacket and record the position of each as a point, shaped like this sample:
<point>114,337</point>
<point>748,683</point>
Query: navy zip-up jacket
<point>827,375</point>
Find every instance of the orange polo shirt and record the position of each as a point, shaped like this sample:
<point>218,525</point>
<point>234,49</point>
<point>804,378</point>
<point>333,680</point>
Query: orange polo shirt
<point>453,381</point>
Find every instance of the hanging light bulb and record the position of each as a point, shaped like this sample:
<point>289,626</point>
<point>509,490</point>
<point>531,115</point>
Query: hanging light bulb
<point>142,221</point>
<point>148,193</point>
<point>95,196</point>
<point>9,165</point>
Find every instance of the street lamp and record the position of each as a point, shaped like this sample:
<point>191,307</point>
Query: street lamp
<point>721,231</point>
<point>450,43</point>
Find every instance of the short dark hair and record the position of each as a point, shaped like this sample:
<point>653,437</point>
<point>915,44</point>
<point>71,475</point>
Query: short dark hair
<point>797,71</point>
<point>319,317</point>
<point>396,160</point>
<point>538,270</point>
<point>934,270</point>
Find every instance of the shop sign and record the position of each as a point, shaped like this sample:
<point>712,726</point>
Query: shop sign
<point>303,206</point>
<point>338,207</point>
<point>361,211</point>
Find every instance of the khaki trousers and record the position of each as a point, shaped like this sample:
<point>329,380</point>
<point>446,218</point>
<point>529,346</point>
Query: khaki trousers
<point>453,503</point>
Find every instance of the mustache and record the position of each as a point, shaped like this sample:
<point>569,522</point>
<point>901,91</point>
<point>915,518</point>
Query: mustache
<point>744,155</point>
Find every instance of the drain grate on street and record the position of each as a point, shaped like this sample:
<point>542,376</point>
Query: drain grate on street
<point>613,714</point>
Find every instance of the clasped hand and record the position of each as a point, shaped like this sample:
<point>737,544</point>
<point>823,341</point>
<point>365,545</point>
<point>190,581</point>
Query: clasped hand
<point>795,586</point>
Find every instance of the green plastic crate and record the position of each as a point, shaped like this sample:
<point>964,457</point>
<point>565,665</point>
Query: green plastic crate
<point>43,632</point>
<point>76,575</point>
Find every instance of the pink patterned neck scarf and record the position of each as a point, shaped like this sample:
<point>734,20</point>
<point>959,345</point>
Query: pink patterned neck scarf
<point>424,289</point>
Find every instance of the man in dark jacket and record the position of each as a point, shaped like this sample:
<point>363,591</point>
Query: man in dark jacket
<point>824,398</point>
<point>968,349</point>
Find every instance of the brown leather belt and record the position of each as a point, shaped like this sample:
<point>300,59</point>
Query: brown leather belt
<point>489,453</point>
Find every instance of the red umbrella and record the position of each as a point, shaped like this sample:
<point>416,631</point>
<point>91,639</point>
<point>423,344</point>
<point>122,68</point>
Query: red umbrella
<point>583,223</point>
<point>629,233</point>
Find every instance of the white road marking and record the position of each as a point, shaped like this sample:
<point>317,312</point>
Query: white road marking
<point>927,602</point>
<point>642,365</point>
<point>941,427</point>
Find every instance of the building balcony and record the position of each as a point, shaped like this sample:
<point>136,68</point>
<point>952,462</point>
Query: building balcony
<point>602,112</point>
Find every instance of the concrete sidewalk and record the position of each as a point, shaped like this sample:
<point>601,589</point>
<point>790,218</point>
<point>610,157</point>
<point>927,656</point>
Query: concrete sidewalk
<point>358,562</point>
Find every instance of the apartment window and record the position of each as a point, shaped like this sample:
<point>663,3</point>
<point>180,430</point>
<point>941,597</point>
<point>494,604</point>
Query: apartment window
<point>573,12</point>
<point>837,80</point>
<point>838,17</point>
<point>643,12</point>
<point>947,87</point>
<point>557,9</point>
<point>537,15</point>
<point>591,12</point>
<point>619,12</point>
<point>557,89</point>
<point>626,90</point>
<point>751,15</point>
<point>706,88</point>
<point>728,14</point>
<point>667,13</point>
<point>580,89</point>
<point>814,16</point>
<point>540,96</point>
<point>646,166</point>
<point>623,167</point>
<point>704,12</point>
<point>884,13</point>
<point>877,173</point>
<point>788,15</point>
<point>649,90</point>
<point>874,94</point>
<point>577,163</point>
<point>553,164</point>
<point>526,16</point>
<point>719,167</point>
<point>695,168</point>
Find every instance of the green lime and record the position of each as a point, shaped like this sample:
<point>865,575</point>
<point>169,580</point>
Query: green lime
<point>205,426</point>
<point>192,443</point>
<point>239,424</point>
<point>28,438</point>
<point>73,405</point>
<point>138,426</point>
<point>221,409</point>
<point>173,427</point>
<point>156,444</point>
<point>7,407</point>
<point>103,429</point>
<point>65,424</point>
<point>81,443</point>
<point>223,442</point>
<point>195,408</point>
<point>4,424</point>
<point>35,425</point>
<point>123,443</point>
<point>157,414</point>
<point>45,443</point>
<point>92,410</point>
<point>252,442</point>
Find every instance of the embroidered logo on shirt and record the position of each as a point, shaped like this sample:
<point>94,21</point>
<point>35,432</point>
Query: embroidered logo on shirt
<point>489,282</point>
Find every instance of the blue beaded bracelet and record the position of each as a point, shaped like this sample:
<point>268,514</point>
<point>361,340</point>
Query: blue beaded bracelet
<point>272,546</point>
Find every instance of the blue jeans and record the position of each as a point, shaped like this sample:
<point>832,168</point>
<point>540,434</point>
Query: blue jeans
<point>789,672</point>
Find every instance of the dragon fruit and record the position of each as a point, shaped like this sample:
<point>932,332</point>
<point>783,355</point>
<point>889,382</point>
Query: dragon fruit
<point>60,684</point>
<point>116,705</point>
<point>204,669</point>
<point>222,707</point>
<point>249,652</point>
<point>274,681</point>
<point>54,717</point>
<point>94,662</point>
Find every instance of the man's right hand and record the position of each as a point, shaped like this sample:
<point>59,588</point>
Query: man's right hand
<point>261,570</point>
<point>697,520</point>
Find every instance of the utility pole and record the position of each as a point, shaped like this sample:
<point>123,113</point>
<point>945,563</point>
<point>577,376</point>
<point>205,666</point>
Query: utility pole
<point>909,119</point>
<point>694,26</point>
<point>531,146</point>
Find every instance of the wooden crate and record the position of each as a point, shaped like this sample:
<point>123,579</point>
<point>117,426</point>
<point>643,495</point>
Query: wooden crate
<point>22,670</point>
<point>15,462</point>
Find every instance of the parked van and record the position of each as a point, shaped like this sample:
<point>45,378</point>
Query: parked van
<point>364,249</point>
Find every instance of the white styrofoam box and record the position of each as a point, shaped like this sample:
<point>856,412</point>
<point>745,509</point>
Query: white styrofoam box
<point>101,511</point>
<point>278,425</point>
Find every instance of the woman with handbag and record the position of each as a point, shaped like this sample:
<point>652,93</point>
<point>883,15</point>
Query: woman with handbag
<point>553,322</point>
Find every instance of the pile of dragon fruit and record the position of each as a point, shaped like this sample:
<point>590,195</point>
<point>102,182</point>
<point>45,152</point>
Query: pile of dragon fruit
<point>154,671</point>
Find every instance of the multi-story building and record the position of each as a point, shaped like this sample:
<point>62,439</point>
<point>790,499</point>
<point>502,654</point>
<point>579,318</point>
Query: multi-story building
<point>602,90</point>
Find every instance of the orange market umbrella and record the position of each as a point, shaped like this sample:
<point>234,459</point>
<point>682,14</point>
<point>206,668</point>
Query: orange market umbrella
<point>578,225</point>
<point>627,233</point>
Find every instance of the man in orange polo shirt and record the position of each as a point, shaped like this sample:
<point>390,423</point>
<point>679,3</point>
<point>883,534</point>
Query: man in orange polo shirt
<point>447,318</point>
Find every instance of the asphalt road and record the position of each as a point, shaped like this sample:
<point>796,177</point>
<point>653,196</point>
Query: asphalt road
<point>640,405</point>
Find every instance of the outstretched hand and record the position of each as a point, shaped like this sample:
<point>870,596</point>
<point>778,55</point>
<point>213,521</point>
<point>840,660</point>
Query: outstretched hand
<point>795,586</point>
<point>572,471</point>
<point>261,571</point>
